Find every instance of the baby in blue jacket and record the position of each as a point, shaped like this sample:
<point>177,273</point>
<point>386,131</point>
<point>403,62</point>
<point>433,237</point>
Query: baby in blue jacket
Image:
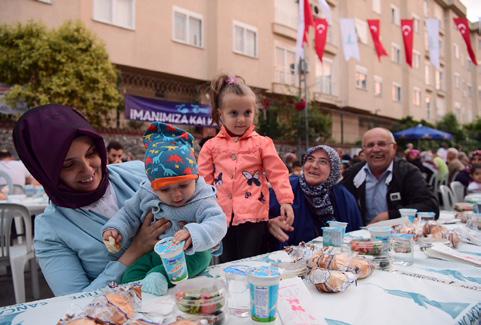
<point>174,192</point>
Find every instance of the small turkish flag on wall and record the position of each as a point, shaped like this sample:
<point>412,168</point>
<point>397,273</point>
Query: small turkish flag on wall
<point>375,28</point>
<point>321,27</point>
<point>407,28</point>
<point>462,24</point>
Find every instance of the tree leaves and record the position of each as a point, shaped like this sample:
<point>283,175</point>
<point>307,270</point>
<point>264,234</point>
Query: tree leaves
<point>68,66</point>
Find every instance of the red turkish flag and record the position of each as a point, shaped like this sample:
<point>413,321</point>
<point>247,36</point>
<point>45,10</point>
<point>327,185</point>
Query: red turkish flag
<point>308,20</point>
<point>375,28</point>
<point>462,24</point>
<point>407,28</point>
<point>321,25</point>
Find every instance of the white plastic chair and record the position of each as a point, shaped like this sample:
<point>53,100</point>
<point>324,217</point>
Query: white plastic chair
<point>447,197</point>
<point>18,255</point>
<point>458,191</point>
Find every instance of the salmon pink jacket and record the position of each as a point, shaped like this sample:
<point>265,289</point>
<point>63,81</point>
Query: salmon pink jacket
<point>239,168</point>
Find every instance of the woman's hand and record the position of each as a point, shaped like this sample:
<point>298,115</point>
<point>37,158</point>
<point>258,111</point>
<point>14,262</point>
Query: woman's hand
<point>278,227</point>
<point>288,213</point>
<point>145,239</point>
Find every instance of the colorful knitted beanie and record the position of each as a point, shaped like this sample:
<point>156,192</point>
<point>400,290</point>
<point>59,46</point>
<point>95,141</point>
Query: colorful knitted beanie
<point>169,156</point>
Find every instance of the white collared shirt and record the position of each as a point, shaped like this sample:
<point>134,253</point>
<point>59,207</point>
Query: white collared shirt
<point>376,189</point>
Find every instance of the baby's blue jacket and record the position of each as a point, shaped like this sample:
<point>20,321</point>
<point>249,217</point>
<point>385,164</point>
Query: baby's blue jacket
<point>206,221</point>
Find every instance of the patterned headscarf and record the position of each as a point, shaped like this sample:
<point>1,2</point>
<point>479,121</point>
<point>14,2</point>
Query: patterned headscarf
<point>318,196</point>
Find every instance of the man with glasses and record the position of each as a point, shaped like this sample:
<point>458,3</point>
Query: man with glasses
<point>383,184</point>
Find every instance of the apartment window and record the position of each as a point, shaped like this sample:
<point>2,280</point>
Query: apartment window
<point>427,73</point>
<point>324,76</point>
<point>115,12</point>
<point>188,27</point>
<point>245,39</point>
<point>286,13</point>
<point>377,86</point>
<point>426,41</point>
<point>396,92</point>
<point>416,23</point>
<point>361,77</point>
<point>284,58</point>
<point>440,107</point>
<point>456,50</point>
<point>439,79</point>
<point>361,29</point>
<point>396,53</point>
<point>416,59</point>
<point>376,6</point>
<point>470,90</point>
<point>395,16</point>
<point>416,97</point>
<point>426,7</point>
<point>457,83</point>
<point>428,107</point>
<point>457,110</point>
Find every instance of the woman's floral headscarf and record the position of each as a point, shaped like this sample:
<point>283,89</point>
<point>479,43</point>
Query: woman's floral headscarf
<point>318,195</point>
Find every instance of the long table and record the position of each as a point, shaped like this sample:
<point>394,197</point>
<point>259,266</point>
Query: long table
<point>431,291</point>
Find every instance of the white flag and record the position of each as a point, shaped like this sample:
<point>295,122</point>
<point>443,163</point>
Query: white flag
<point>349,39</point>
<point>433,40</point>
<point>300,33</point>
<point>326,10</point>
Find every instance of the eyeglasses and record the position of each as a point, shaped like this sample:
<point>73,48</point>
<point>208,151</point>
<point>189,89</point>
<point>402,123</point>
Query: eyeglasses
<point>320,161</point>
<point>380,144</point>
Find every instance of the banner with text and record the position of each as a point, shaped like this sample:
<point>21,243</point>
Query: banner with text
<point>148,109</point>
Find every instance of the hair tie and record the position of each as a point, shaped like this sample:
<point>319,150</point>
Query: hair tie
<point>231,80</point>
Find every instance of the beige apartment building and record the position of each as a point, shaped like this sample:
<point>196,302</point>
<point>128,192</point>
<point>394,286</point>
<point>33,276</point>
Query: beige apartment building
<point>170,49</point>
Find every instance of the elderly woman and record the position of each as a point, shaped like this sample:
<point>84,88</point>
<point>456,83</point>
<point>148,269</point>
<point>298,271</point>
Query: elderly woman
<point>318,198</point>
<point>67,156</point>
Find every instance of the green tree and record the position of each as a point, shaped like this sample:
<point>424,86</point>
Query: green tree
<point>67,66</point>
<point>449,123</point>
<point>283,122</point>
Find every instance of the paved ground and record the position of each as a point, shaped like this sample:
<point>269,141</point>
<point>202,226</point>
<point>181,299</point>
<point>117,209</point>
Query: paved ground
<point>7,297</point>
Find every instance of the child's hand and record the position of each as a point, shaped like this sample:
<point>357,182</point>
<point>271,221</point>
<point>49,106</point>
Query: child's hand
<point>112,240</point>
<point>181,235</point>
<point>286,211</point>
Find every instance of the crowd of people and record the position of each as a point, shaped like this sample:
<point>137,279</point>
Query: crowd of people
<point>237,199</point>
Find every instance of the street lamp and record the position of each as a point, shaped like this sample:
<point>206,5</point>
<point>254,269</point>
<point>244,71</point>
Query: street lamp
<point>303,70</point>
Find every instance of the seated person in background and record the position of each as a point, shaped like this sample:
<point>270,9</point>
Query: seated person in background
<point>15,169</point>
<point>454,164</point>
<point>383,184</point>
<point>115,152</point>
<point>475,185</point>
<point>318,198</point>
<point>296,168</point>
<point>177,193</point>
<point>464,176</point>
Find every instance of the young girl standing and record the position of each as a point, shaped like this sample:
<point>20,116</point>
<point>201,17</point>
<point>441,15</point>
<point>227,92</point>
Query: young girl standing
<point>239,162</point>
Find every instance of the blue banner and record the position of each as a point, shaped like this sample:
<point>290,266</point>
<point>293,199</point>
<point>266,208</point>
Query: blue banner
<point>147,109</point>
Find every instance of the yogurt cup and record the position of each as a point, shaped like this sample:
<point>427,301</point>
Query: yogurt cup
<point>382,233</point>
<point>173,259</point>
<point>264,291</point>
<point>409,214</point>
<point>338,224</point>
<point>426,216</point>
<point>333,236</point>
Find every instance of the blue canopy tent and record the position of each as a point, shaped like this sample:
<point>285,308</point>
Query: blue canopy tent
<point>421,132</point>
